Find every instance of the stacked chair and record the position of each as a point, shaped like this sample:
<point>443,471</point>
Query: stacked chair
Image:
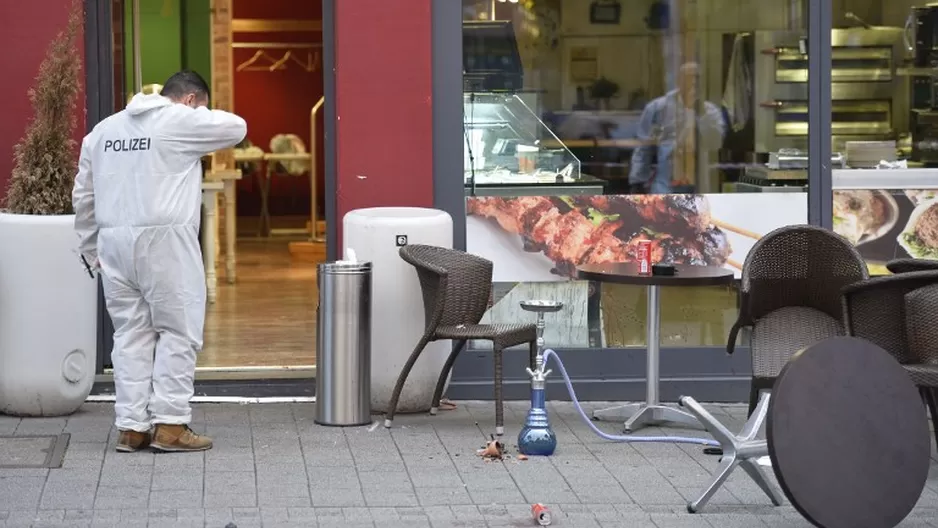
<point>900,314</point>
<point>790,296</point>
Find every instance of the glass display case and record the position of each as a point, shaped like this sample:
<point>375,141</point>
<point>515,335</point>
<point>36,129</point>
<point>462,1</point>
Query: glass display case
<point>504,152</point>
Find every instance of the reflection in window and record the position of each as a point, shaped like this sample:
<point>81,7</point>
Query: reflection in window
<point>593,125</point>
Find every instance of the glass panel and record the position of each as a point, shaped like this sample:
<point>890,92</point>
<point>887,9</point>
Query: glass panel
<point>689,123</point>
<point>884,199</point>
<point>506,144</point>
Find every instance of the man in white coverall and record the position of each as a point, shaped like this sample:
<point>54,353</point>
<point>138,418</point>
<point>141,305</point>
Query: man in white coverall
<point>137,199</point>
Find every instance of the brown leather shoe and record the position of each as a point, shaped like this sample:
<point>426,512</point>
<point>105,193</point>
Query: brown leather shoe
<point>178,438</point>
<point>130,441</point>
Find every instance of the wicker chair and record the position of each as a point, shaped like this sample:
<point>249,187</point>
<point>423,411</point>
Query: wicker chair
<point>906,265</point>
<point>790,296</point>
<point>900,314</point>
<point>456,289</point>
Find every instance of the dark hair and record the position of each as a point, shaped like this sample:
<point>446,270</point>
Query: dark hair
<point>183,83</point>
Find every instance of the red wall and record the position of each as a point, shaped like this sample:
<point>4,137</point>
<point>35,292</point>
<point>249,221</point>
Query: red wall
<point>279,102</point>
<point>384,117</point>
<point>28,27</point>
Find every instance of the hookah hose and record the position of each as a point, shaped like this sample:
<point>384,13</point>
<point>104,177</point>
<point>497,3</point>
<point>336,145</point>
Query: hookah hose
<point>548,353</point>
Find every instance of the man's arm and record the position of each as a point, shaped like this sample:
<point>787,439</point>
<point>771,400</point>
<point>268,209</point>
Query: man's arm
<point>711,126</point>
<point>640,170</point>
<point>83,203</point>
<point>200,131</point>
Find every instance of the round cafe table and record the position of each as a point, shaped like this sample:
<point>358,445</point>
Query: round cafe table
<point>651,412</point>
<point>848,436</point>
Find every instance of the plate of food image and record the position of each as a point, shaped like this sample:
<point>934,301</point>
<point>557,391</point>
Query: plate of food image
<point>862,216</point>
<point>534,238</point>
<point>917,196</point>
<point>920,237</point>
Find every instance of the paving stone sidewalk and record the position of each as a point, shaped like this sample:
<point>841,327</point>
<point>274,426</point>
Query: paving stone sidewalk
<point>273,467</point>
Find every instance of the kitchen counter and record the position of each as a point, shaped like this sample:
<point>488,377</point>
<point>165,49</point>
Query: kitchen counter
<point>507,184</point>
<point>885,179</point>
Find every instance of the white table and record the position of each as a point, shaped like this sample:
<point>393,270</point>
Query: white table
<point>229,178</point>
<point>270,162</point>
<point>210,190</point>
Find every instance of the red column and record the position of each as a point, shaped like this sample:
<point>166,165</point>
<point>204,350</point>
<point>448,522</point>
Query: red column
<point>28,29</point>
<point>384,107</point>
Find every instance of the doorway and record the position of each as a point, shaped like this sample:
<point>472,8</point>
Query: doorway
<point>262,225</point>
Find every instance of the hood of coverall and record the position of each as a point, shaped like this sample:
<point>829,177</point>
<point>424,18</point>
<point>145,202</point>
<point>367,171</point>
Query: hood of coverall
<point>142,103</point>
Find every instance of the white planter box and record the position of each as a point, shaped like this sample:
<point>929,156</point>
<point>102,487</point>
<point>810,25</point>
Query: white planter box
<point>48,317</point>
<point>397,319</point>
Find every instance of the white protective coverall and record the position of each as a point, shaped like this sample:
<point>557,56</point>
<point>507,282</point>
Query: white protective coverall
<point>137,199</point>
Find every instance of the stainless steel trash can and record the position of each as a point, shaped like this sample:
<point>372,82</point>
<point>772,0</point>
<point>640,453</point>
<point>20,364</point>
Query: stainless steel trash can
<point>343,344</point>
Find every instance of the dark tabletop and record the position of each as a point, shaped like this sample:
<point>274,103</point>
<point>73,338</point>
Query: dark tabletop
<point>848,436</point>
<point>628,274</point>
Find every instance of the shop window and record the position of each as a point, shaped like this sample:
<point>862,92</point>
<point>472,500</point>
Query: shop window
<point>590,125</point>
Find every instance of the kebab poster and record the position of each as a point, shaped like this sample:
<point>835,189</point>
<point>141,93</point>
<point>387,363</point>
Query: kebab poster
<point>544,238</point>
<point>887,225</point>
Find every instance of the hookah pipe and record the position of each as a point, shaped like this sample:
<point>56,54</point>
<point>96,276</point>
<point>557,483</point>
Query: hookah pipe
<point>537,438</point>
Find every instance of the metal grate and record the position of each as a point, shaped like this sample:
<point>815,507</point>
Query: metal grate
<point>19,452</point>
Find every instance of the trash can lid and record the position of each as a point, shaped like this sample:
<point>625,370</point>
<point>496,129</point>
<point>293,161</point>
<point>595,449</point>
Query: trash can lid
<point>344,266</point>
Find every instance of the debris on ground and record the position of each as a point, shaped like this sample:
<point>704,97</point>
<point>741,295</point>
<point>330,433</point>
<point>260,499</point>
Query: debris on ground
<point>541,514</point>
<point>493,450</point>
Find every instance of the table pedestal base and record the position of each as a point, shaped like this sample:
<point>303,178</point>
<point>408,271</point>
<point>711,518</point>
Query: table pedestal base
<point>639,415</point>
<point>738,450</point>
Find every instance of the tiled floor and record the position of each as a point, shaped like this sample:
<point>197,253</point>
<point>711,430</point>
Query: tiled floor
<point>272,466</point>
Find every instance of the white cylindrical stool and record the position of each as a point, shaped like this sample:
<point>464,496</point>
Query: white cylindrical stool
<point>376,235</point>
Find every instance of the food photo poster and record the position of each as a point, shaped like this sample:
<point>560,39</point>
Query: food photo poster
<point>544,238</point>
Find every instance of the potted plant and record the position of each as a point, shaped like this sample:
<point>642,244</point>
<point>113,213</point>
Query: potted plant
<point>602,91</point>
<point>48,299</point>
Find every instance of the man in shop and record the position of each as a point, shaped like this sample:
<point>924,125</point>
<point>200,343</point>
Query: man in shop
<point>137,200</point>
<point>669,124</point>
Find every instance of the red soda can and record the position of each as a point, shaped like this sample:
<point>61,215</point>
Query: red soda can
<point>644,257</point>
<point>541,514</point>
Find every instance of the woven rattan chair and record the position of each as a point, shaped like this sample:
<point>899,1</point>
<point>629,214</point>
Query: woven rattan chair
<point>456,289</point>
<point>790,296</point>
<point>900,314</point>
<point>906,265</point>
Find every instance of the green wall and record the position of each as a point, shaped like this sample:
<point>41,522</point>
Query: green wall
<point>197,31</point>
<point>174,34</point>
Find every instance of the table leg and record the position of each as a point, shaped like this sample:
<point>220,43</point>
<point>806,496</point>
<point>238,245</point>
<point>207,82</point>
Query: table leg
<point>208,246</point>
<point>651,412</point>
<point>265,201</point>
<point>231,227</point>
<point>743,450</point>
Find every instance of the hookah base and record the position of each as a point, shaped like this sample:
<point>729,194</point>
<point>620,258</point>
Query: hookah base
<point>537,441</point>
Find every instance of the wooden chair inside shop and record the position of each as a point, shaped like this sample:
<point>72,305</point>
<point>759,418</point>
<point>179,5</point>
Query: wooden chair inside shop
<point>899,313</point>
<point>456,287</point>
<point>790,296</point>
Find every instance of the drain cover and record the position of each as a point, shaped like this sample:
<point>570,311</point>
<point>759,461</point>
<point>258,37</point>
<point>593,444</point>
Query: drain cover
<point>18,452</point>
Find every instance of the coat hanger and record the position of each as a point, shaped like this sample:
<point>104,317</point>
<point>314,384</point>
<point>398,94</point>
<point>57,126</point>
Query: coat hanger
<point>279,65</point>
<point>247,65</point>
<point>309,65</point>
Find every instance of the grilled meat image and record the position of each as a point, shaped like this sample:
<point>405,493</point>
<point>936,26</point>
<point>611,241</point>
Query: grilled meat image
<point>666,211</point>
<point>603,229</point>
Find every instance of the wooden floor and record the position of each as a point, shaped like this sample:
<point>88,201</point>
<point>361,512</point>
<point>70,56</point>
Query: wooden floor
<point>268,317</point>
